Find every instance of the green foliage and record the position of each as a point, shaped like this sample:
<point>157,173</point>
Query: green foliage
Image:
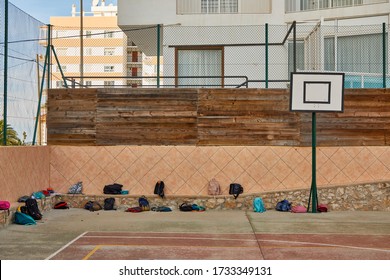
<point>12,135</point>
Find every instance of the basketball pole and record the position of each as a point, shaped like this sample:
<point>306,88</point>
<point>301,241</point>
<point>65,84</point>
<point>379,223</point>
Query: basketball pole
<point>313,190</point>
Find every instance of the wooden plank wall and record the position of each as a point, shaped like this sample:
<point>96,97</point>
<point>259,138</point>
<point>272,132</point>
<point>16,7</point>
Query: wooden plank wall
<point>246,117</point>
<point>147,117</point>
<point>71,117</point>
<point>211,117</point>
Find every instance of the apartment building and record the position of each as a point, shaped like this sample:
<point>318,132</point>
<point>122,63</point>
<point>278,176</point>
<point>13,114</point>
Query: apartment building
<point>109,58</point>
<point>227,38</point>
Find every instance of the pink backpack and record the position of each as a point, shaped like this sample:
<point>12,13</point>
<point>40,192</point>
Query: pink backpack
<point>4,205</point>
<point>214,188</point>
<point>298,209</point>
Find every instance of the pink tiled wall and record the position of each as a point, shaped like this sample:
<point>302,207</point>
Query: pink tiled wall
<point>186,170</point>
<point>23,170</point>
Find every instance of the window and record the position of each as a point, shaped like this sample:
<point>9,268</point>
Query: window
<point>88,51</point>
<point>59,84</point>
<point>108,34</point>
<point>219,6</point>
<point>108,84</point>
<point>109,51</point>
<point>201,64</point>
<point>109,68</point>
<point>63,68</point>
<point>88,34</point>
<point>61,51</point>
<point>300,56</point>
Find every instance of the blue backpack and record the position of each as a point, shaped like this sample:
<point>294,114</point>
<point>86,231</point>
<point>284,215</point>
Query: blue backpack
<point>24,219</point>
<point>258,205</point>
<point>144,203</point>
<point>283,205</point>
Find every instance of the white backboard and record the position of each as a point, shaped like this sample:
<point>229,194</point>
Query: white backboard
<point>317,92</point>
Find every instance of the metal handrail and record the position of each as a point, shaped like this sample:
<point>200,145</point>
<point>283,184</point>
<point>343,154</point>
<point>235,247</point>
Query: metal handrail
<point>73,81</point>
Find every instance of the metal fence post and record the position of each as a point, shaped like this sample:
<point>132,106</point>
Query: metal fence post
<point>158,55</point>
<point>266,55</point>
<point>384,53</point>
<point>5,72</point>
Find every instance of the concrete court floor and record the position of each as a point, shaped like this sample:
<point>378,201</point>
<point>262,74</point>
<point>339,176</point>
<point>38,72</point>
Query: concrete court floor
<point>60,227</point>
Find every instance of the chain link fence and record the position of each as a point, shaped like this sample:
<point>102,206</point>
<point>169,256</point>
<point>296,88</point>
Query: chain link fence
<point>19,93</point>
<point>220,56</point>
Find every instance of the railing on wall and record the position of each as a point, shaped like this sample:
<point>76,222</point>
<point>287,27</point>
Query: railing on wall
<point>293,6</point>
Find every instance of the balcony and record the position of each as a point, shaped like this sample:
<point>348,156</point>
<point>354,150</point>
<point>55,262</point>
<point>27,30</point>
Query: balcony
<point>293,6</point>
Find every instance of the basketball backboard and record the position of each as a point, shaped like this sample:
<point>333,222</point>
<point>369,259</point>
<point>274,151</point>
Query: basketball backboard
<point>317,92</point>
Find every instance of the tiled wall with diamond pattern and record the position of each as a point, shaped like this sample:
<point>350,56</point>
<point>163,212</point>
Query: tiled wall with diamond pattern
<point>23,170</point>
<point>186,170</point>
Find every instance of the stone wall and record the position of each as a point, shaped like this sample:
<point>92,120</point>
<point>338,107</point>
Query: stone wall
<point>364,197</point>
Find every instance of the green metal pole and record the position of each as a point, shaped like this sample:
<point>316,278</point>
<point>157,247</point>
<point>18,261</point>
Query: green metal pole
<point>384,53</point>
<point>40,94</point>
<point>59,67</point>
<point>158,54</point>
<point>313,189</point>
<point>266,55</point>
<point>48,86</point>
<point>295,46</point>
<point>5,72</point>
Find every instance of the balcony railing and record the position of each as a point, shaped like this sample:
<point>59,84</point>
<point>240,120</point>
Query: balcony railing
<point>293,6</point>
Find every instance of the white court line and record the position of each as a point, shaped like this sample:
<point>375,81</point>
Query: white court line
<point>165,237</point>
<point>325,244</point>
<point>66,245</point>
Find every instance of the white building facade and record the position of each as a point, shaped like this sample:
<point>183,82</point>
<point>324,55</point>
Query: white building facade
<point>249,38</point>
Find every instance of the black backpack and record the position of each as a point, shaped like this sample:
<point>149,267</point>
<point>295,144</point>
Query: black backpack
<point>235,189</point>
<point>109,203</point>
<point>32,209</point>
<point>283,206</point>
<point>159,189</point>
<point>113,189</point>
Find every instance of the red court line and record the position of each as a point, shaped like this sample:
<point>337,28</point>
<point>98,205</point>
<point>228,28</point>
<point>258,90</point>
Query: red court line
<point>123,245</point>
<point>138,246</point>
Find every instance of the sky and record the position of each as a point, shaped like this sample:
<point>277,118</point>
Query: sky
<point>42,10</point>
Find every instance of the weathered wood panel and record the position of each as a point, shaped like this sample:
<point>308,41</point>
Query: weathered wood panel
<point>71,117</point>
<point>147,117</point>
<point>364,122</point>
<point>211,117</point>
<point>246,117</point>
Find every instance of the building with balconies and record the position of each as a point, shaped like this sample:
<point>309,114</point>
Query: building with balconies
<point>228,38</point>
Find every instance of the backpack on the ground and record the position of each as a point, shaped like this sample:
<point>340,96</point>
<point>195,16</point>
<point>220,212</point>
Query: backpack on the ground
<point>5,205</point>
<point>236,189</point>
<point>93,206</point>
<point>258,205</point>
<point>76,188</point>
<point>298,209</point>
<point>159,189</point>
<point>109,203</point>
<point>144,203</point>
<point>61,205</point>
<point>283,206</point>
<point>185,207</point>
<point>113,189</point>
<point>161,209</point>
<point>32,209</point>
<point>214,187</point>
<point>322,208</point>
<point>24,219</point>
